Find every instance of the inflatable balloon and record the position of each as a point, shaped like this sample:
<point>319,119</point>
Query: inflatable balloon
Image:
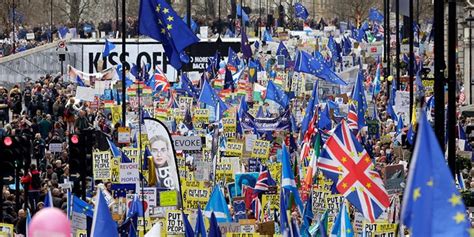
<point>50,222</point>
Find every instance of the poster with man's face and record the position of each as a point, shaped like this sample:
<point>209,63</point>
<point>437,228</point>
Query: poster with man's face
<point>163,156</point>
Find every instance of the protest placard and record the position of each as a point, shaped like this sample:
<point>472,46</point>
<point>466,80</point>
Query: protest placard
<point>261,149</point>
<point>195,194</point>
<point>101,165</point>
<point>174,223</point>
<point>234,149</point>
<point>129,173</point>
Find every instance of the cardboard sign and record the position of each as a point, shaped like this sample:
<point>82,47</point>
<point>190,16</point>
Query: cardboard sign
<point>234,149</point>
<point>373,127</point>
<point>261,149</point>
<point>55,147</point>
<point>379,229</point>
<point>195,194</point>
<point>168,198</point>
<point>123,135</point>
<point>131,153</point>
<point>129,173</point>
<point>174,223</point>
<point>187,143</point>
<point>101,165</point>
<point>394,177</point>
<point>85,93</point>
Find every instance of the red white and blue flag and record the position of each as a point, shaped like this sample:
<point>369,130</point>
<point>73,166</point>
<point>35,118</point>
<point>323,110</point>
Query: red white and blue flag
<point>262,182</point>
<point>344,160</point>
<point>160,82</point>
<point>352,118</point>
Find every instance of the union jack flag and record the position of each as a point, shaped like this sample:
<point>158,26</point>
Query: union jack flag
<point>256,208</point>
<point>344,160</point>
<point>352,118</point>
<point>160,82</point>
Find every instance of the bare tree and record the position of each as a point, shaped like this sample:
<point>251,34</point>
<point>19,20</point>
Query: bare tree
<point>354,10</point>
<point>75,10</point>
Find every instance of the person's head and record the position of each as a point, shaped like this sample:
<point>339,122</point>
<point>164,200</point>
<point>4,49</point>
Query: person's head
<point>49,169</point>
<point>21,213</point>
<point>40,206</point>
<point>160,150</point>
<point>58,163</point>
<point>32,167</point>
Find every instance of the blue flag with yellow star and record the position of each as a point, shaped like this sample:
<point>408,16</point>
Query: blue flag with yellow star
<point>158,20</point>
<point>432,205</point>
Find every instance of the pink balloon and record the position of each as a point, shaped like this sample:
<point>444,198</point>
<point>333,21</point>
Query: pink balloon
<point>50,222</point>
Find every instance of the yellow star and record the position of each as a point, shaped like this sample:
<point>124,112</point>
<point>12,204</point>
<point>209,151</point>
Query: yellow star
<point>368,185</point>
<point>344,185</point>
<point>455,200</point>
<point>166,10</point>
<point>360,154</point>
<point>339,168</point>
<point>353,189</point>
<point>348,231</point>
<point>416,193</point>
<point>430,183</point>
<point>344,159</point>
<point>169,27</point>
<point>459,217</point>
<point>163,30</point>
<point>351,154</point>
<point>170,18</point>
<point>158,8</point>
<point>367,159</point>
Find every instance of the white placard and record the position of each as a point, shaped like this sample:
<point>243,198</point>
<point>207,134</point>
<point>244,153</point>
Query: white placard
<point>129,173</point>
<point>85,93</point>
<point>30,36</point>
<point>203,32</point>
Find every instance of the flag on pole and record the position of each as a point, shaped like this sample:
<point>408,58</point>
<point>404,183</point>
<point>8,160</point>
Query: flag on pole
<point>432,206</point>
<point>109,46</point>
<point>48,199</point>
<point>218,205</point>
<point>102,222</point>
<point>342,226</point>
<point>288,182</point>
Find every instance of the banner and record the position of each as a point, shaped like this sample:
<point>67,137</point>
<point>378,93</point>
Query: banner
<point>280,123</point>
<point>101,165</point>
<point>164,158</point>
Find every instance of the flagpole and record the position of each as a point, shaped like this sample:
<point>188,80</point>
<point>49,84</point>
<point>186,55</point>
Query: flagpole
<point>439,66</point>
<point>122,60</point>
<point>140,156</point>
<point>451,116</point>
<point>411,57</point>
<point>397,37</point>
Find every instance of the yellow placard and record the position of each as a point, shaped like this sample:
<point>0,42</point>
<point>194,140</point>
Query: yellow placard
<point>116,111</point>
<point>224,171</point>
<point>81,233</point>
<point>168,198</point>
<point>194,194</point>
<point>261,149</point>
<point>115,170</point>
<point>234,149</point>
<point>7,230</point>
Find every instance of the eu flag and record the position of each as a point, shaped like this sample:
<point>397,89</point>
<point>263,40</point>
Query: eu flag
<point>375,15</point>
<point>432,206</point>
<point>209,96</point>
<point>80,206</point>
<point>317,67</point>
<point>158,20</point>
<point>245,45</point>
<point>300,11</point>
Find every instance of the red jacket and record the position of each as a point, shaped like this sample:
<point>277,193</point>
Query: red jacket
<point>28,179</point>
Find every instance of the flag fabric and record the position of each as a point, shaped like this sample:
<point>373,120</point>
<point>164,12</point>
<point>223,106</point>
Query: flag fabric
<point>400,124</point>
<point>159,82</point>
<point>309,112</point>
<point>282,50</point>
<point>375,15</point>
<point>342,227</point>
<point>188,86</point>
<point>316,66</point>
<point>102,222</point>
<point>432,206</point>
<point>188,229</point>
<point>209,96</point>
<point>232,59</point>
<point>358,96</point>
<point>214,230</point>
<point>200,228</point>
<point>218,205</point>
<point>114,149</point>
<point>79,81</point>
<point>377,80</point>
<point>48,199</point>
<point>352,118</point>
<point>109,46</point>
<point>276,94</point>
<point>300,11</point>
<point>334,49</point>
<point>28,221</point>
<point>80,206</point>
<point>345,161</point>
<point>256,207</point>
<point>241,12</point>
<point>245,45</point>
<point>324,119</point>
<point>135,210</point>
<point>262,181</point>
<point>288,182</point>
<point>158,20</point>
<point>284,225</point>
<point>308,216</point>
<point>267,36</point>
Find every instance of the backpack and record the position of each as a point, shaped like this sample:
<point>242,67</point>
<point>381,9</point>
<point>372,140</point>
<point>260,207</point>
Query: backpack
<point>35,181</point>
